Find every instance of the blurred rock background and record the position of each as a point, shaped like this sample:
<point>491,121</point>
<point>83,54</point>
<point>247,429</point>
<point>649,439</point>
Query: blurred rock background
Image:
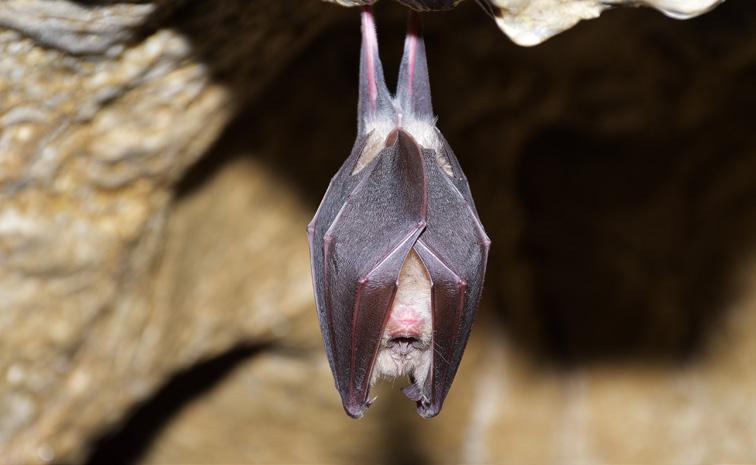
<point>159,162</point>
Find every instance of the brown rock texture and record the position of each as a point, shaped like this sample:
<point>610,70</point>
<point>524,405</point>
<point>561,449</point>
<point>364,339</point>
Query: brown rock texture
<point>154,281</point>
<point>103,107</point>
<point>531,22</point>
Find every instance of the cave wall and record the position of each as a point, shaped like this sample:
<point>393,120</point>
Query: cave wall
<point>161,159</point>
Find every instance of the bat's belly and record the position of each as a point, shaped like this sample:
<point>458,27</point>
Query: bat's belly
<point>406,343</point>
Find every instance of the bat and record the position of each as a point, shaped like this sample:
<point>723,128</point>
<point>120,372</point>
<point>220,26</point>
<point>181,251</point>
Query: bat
<point>398,252</point>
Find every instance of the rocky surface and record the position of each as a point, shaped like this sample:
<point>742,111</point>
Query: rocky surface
<point>531,22</point>
<point>103,108</point>
<point>614,176</point>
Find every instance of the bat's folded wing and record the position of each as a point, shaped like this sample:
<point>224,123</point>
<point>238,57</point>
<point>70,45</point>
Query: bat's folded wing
<point>454,249</point>
<point>363,251</point>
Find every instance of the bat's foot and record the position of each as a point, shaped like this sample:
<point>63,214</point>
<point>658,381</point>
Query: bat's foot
<point>413,392</point>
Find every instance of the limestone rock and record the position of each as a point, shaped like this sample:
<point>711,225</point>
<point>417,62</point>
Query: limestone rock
<point>530,22</point>
<point>103,107</point>
<point>615,178</point>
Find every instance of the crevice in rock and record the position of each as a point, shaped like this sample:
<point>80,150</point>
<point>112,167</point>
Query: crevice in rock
<point>127,443</point>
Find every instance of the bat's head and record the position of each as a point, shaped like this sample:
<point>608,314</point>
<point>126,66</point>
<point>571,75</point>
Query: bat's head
<point>406,346</point>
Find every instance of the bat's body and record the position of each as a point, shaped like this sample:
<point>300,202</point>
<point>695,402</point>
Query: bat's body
<point>398,251</point>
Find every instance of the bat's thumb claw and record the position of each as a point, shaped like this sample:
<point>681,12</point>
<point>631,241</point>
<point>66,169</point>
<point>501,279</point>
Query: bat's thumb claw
<point>355,411</point>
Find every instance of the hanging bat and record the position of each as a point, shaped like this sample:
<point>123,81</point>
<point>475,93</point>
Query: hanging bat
<point>397,250</point>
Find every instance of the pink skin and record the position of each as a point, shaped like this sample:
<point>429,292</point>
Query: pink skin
<point>405,321</point>
<point>370,45</point>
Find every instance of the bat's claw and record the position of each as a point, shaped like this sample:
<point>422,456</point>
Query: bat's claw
<point>413,392</point>
<point>356,411</point>
<point>427,410</point>
<point>424,407</point>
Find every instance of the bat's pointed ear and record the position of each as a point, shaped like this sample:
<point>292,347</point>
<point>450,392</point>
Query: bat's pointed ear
<point>413,86</point>
<point>375,99</point>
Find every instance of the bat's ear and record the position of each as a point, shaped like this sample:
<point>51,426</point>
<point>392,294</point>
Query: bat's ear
<point>413,87</point>
<point>375,100</point>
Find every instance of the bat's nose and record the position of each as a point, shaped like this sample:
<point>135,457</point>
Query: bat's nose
<point>407,322</point>
<point>404,322</point>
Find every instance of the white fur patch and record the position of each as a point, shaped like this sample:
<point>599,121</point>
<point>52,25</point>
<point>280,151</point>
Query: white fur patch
<point>378,131</point>
<point>425,134</point>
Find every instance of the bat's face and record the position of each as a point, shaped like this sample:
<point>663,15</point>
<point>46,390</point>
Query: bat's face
<point>398,252</point>
<point>406,344</point>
